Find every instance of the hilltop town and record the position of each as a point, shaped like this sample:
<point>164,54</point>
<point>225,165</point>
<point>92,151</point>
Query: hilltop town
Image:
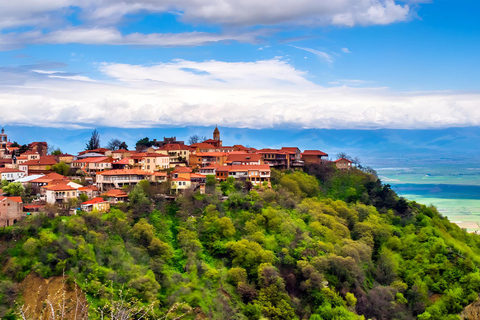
<point>35,178</point>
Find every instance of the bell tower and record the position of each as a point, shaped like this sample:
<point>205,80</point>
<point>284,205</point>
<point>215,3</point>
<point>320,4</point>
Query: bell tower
<point>216,134</point>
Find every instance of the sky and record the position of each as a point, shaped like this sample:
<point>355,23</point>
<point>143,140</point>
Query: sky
<point>253,65</point>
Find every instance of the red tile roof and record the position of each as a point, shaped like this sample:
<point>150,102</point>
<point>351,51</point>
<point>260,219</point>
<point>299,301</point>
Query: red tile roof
<point>182,169</point>
<point>314,153</point>
<point>244,157</point>
<point>16,199</point>
<point>87,188</point>
<point>211,154</point>
<point>9,170</point>
<point>202,145</point>
<point>338,160</point>
<point>116,193</point>
<point>95,201</point>
<point>124,172</point>
<point>44,161</point>
<point>59,187</point>
<point>123,161</point>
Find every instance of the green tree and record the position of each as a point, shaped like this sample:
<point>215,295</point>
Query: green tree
<point>94,142</point>
<point>61,168</point>
<point>14,189</point>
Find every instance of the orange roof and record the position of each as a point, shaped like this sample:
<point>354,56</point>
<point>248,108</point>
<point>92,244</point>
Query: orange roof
<point>116,193</point>
<point>181,179</point>
<point>49,177</point>
<point>182,169</point>
<point>247,157</point>
<point>123,161</point>
<point>202,145</point>
<point>196,175</point>
<point>249,167</point>
<point>59,187</point>
<point>338,160</point>
<point>314,153</point>
<point>290,149</point>
<point>93,188</point>
<point>120,151</point>
<point>9,170</point>
<point>154,154</point>
<point>16,199</point>
<point>29,152</point>
<point>42,161</point>
<point>95,200</point>
<point>124,172</point>
<point>210,154</point>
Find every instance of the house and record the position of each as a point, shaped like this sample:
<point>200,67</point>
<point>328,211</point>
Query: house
<point>204,159</point>
<point>11,174</point>
<point>59,193</point>
<point>120,154</point>
<point>181,172</point>
<point>177,152</point>
<point>45,180</point>
<point>179,184</point>
<point>295,157</point>
<point>11,210</point>
<point>155,161</point>
<point>40,147</point>
<point>343,164</point>
<point>125,163</point>
<point>275,158</point>
<point>31,155</point>
<point>98,204</point>
<point>313,156</point>
<point>66,158</point>
<point>93,165</point>
<point>102,151</point>
<point>90,191</point>
<point>243,158</point>
<point>115,196</point>
<point>257,174</point>
<point>42,165</point>
<point>209,170</point>
<point>111,179</point>
<point>204,147</point>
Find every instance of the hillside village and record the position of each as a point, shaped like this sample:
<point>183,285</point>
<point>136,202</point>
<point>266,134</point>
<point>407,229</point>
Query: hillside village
<point>34,179</point>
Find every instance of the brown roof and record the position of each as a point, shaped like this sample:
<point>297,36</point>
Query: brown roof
<point>314,153</point>
<point>9,170</point>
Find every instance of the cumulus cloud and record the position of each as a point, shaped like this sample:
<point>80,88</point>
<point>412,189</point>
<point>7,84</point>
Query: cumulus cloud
<point>345,50</point>
<point>99,19</point>
<point>261,94</point>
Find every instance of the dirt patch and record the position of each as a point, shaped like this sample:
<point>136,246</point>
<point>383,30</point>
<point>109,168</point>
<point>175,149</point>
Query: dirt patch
<point>472,311</point>
<point>41,297</point>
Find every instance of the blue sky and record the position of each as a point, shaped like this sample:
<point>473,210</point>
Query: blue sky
<point>260,65</point>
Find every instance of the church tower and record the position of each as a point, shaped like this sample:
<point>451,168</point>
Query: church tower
<point>216,134</point>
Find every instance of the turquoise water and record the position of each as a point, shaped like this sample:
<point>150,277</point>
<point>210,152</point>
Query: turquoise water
<point>452,185</point>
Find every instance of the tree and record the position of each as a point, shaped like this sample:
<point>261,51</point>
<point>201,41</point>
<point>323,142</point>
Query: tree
<point>54,151</point>
<point>116,144</point>
<point>94,142</point>
<point>14,189</point>
<point>196,139</point>
<point>123,145</point>
<point>343,155</point>
<point>61,168</point>
<point>143,143</point>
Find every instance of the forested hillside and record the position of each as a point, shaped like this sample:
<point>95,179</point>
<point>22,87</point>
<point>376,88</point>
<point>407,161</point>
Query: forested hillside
<point>329,245</point>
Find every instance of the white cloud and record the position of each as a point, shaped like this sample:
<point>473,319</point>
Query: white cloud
<point>268,93</point>
<point>325,57</point>
<point>345,50</point>
<point>100,18</point>
<point>112,36</point>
